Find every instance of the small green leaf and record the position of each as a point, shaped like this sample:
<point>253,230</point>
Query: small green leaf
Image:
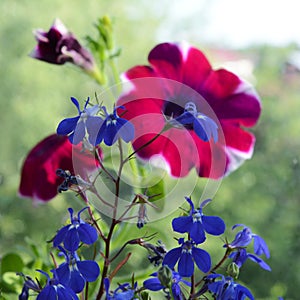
<point>11,262</point>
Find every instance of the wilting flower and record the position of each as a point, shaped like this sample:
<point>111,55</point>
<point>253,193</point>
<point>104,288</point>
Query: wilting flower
<point>240,256</point>
<point>113,127</point>
<point>155,284</point>
<point>204,110</point>
<point>226,288</point>
<point>197,223</point>
<point>186,255</point>
<point>39,180</point>
<point>122,292</point>
<point>244,237</point>
<point>55,290</point>
<point>74,273</point>
<point>75,128</point>
<point>58,46</point>
<point>76,232</point>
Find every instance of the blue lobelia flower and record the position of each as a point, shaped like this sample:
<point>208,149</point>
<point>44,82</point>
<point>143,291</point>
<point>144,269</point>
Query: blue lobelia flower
<point>186,255</point>
<point>244,237</point>
<point>74,273</point>
<point>122,292</point>
<point>76,232</point>
<point>154,284</point>
<point>197,223</point>
<point>55,290</point>
<point>114,128</point>
<point>75,128</point>
<point>241,255</point>
<point>227,289</point>
<point>203,126</point>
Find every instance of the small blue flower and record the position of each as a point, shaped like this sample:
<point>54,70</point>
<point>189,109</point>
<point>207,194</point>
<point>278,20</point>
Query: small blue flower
<point>197,223</point>
<point>76,232</point>
<point>154,284</point>
<point>74,273</point>
<point>203,126</point>
<point>241,255</point>
<point>244,237</point>
<point>122,292</point>
<point>186,255</point>
<point>54,290</point>
<point>114,128</point>
<point>75,128</point>
<point>227,289</point>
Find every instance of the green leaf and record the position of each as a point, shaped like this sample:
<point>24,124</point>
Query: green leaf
<point>11,262</point>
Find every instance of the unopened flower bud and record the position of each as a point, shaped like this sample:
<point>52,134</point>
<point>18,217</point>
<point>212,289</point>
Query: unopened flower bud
<point>165,276</point>
<point>233,270</point>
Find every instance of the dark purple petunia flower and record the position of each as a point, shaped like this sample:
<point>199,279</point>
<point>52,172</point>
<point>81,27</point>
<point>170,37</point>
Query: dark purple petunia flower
<point>227,289</point>
<point>154,284</point>
<point>58,46</point>
<point>74,273</point>
<point>186,255</point>
<point>180,86</point>
<point>55,290</point>
<point>196,224</point>
<point>114,128</point>
<point>244,237</point>
<point>76,232</point>
<point>75,128</point>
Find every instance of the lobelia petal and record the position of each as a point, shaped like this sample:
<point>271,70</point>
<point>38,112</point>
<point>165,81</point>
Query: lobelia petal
<point>260,246</point>
<point>242,291</point>
<point>200,130</point>
<point>110,136</point>
<point>197,233</point>
<point>185,265</point>
<point>48,293</point>
<point>153,284</point>
<point>64,293</point>
<point>259,261</point>
<point>79,133</point>
<point>66,126</point>
<point>71,241</point>
<point>202,259</point>
<point>213,225</point>
<point>87,233</point>
<point>89,270</point>
<point>172,257</point>
<point>182,224</point>
<point>60,236</point>
<point>76,282</point>
<point>63,273</point>
<point>93,125</point>
<point>125,130</point>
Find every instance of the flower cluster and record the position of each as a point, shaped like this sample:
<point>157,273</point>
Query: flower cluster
<point>179,109</point>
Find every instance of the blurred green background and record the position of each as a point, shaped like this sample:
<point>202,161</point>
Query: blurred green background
<point>263,193</point>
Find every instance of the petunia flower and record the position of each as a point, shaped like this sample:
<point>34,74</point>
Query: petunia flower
<point>114,128</point>
<point>244,237</point>
<point>38,178</point>
<point>58,46</point>
<point>75,128</point>
<point>154,284</point>
<point>212,107</point>
<point>186,255</point>
<point>78,231</point>
<point>74,273</point>
<point>240,256</point>
<point>55,290</point>
<point>196,224</point>
<point>122,292</point>
<point>226,288</point>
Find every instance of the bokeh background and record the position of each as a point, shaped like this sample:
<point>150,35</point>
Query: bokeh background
<point>259,40</point>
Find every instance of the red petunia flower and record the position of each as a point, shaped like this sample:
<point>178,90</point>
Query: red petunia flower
<point>180,80</point>
<point>39,180</point>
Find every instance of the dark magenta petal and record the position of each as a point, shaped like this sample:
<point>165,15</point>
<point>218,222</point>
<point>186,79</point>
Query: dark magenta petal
<point>87,233</point>
<point>172,257</point>
<point>182,224</point>
<point>213,225</point>
<point>186,265</point>
<point>202,259</point>
<point>88,269</point>
<point>38,178</point>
